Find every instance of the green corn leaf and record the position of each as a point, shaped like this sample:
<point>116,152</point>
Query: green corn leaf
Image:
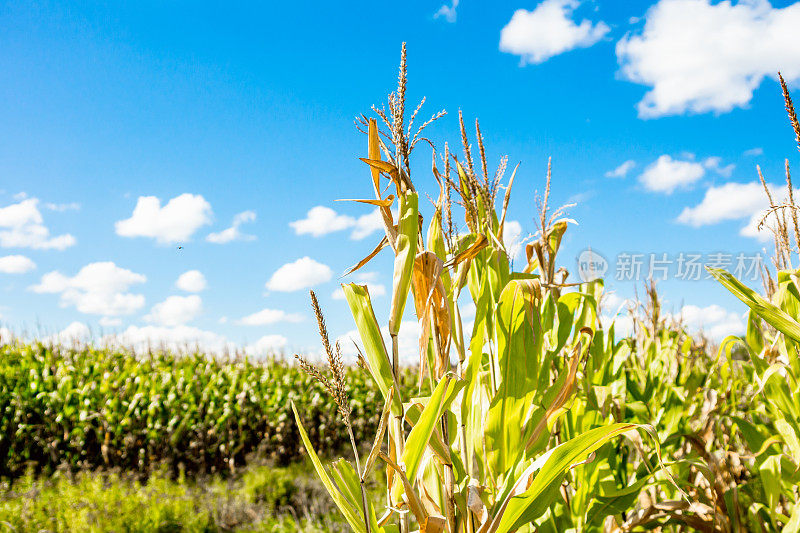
<point>615,502</point>
<point>532,503</point>
<point>772,314</point>
<point>347,507</point>
<point>358,299</point>
<point>408,230</point>
<point>790,438</point>
<point>420,435</point>
<point>518,351</point>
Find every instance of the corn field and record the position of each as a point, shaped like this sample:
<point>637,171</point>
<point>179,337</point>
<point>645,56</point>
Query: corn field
<point>540,418</point>
<point>91,408</point>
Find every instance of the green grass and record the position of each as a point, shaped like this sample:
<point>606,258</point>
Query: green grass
<point>260,499</point>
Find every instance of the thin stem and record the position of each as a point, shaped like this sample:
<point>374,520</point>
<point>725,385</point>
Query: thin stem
<point>397,427</point>
<point>364,505</point>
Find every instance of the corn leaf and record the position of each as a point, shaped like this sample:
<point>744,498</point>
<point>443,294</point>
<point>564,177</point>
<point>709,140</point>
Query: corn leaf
<point>772,314</point>
<point>408,230</point>
<point>347,507</point>
<point>531,504</point>
<point>357,297</point>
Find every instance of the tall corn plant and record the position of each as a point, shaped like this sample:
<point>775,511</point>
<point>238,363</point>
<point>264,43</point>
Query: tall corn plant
<point>481,452</point>
<point>772,424</point>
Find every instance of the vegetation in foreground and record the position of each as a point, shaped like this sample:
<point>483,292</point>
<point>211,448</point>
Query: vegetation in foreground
<point>268,499</point>
<point>548,422</point>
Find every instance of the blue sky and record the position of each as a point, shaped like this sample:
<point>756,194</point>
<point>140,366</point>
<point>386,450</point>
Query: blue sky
<point>245,112</point>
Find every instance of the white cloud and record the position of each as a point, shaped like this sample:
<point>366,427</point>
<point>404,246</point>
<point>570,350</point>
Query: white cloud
<point>233,233</point>
<point>269,316</point>
<point>191,281</point>
<point>731,201</point>
<point>751,228</point>
<point>267,345</point>
<point>175,222</point>
<point>512,238</point>
<point>75,333</point>
<point>72,206</point>
<point>16,264</point>
<point>321,220</point>
<point>446,12</point>
<point>109,322</point>
<point>623,324</point>
<point>368,224</point>
<point>548,30</point>
<point>98,289</point>
<point>301,274</point>
<point>177,339</point>
<point>176,310</point>
<point>714,321</point>
<point>715,163</point>
<point>697,56</point>
<point>22,226</point>
<point>622,170</point>
<point>667,174</point>
<point>735,201</point>
<point>752,152</point>
<point>468,310</point>
<point>612,301</point>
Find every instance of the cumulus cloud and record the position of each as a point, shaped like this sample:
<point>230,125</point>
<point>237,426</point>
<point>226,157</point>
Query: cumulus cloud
<point>267,345</point>
<point>715,163</point>
<point>72,206</point>
<point>512,238</point>
<point>752,152</point>
<point>548,30</point>
<point>623,324</point>
<point>191,281</point>
<point>75,333</point>
<point>16,264</point>
<point>447,12</point>
<point>667,174</point>
<point>269,316</point>
<point>175,222</point>
<point>22,226</point>
<point>98,288</point>
<point>367,224</point>
<point>321,220</point>
<point>731,201</point>
<point>622,170</point>
<point>233,233</point>
<point>110,322</point>
<point>734,201</point>
<point>177,339</point>
<point>176,310</point>
<point>713,320</point>
<point>301,274</point>
<point>697,56</point>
